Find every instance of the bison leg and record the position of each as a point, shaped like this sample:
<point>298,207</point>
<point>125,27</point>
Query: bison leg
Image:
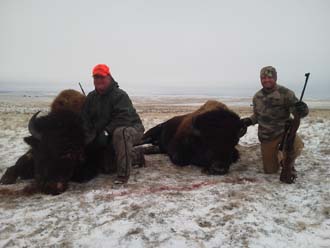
<point>23,168</point>
<point>152,136</point>
<point>181,154</point>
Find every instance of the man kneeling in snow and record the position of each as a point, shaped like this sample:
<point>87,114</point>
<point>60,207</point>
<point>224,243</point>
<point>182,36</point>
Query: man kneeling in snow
<point>272,106</point>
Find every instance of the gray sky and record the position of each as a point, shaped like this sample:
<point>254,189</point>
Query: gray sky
<point>155,44</point>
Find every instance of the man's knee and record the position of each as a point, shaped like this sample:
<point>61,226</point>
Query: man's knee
<point>271,163</point>
<point>269,151</point>
<point>118,133</point>
<point>130,135</point>
<point>121,138</point>
<point>271,168</point>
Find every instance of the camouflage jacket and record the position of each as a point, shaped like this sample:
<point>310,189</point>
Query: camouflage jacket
<point>108,111</point>
<point>271,110</point>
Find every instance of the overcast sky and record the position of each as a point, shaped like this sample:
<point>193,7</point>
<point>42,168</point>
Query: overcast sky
<point>150,44</point>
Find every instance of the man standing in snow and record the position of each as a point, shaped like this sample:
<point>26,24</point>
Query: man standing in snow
<point>272,106</point>
<point>109,112</point>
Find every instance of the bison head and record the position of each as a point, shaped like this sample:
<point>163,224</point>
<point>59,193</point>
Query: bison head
<point>58,143</point>
<point>217,133</point>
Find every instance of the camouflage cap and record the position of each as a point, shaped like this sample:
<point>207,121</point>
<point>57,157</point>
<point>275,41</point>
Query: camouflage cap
<point>268,71</point>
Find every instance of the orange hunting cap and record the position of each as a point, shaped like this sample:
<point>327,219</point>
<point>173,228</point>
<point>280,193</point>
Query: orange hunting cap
<point>101,70</point>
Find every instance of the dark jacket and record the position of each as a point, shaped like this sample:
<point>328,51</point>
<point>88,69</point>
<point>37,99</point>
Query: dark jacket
<point>110,110</point>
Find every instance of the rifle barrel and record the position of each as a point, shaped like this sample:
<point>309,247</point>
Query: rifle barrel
<point>82,89</point>
<point>303,91</point>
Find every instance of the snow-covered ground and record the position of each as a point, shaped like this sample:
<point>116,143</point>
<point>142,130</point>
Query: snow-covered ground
<point>168,206</point>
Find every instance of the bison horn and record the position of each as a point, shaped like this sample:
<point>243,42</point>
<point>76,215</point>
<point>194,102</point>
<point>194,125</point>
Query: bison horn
<point>32,128</point>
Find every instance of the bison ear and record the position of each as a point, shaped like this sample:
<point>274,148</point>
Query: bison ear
<point>30,140</point>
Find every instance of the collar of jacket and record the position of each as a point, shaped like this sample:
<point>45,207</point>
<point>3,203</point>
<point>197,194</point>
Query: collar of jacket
<point>112,86</point>
<point>267,91</point>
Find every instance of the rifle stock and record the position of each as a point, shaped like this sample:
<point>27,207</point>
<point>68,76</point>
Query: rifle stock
<point>288,174</point>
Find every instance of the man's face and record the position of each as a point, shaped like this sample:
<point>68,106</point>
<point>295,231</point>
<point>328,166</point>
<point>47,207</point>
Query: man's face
<point>268,82</point>
<point>101,83</point>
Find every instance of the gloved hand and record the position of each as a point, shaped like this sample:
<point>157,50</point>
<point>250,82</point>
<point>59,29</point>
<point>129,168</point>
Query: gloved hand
<point>102,138</point>
<point>301,109</point>
<point>245,123</point>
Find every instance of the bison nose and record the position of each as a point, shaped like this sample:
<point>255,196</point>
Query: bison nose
<point>55,188</point>
<point>217,168</point>
<point>60,187</point>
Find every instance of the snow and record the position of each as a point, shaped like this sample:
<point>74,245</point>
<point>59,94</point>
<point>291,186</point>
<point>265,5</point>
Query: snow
<point>164,205</point>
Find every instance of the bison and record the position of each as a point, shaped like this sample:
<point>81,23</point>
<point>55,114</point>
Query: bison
<point>58,147</point>
<point>206,138</point>
<point>60,150</point>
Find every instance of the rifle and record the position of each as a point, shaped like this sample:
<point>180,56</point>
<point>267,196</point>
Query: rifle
<point>82,90</point>
<point>288,173</point>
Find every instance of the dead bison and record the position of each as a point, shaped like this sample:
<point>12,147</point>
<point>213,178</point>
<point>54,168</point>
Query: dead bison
<point>206,138</point>
<point>58,143</point>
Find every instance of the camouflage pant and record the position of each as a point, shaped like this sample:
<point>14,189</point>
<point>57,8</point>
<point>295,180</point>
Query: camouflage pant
<point>271,157</point>
<point>123,140</point>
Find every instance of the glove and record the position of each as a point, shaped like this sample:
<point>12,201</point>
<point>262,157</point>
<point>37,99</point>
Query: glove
<point>246,122</point>
<point>102,138</point>
<point>301,109</point>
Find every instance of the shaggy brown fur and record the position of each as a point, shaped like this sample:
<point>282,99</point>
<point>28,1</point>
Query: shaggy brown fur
<point>186,123</point>
<point>68,100</point>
